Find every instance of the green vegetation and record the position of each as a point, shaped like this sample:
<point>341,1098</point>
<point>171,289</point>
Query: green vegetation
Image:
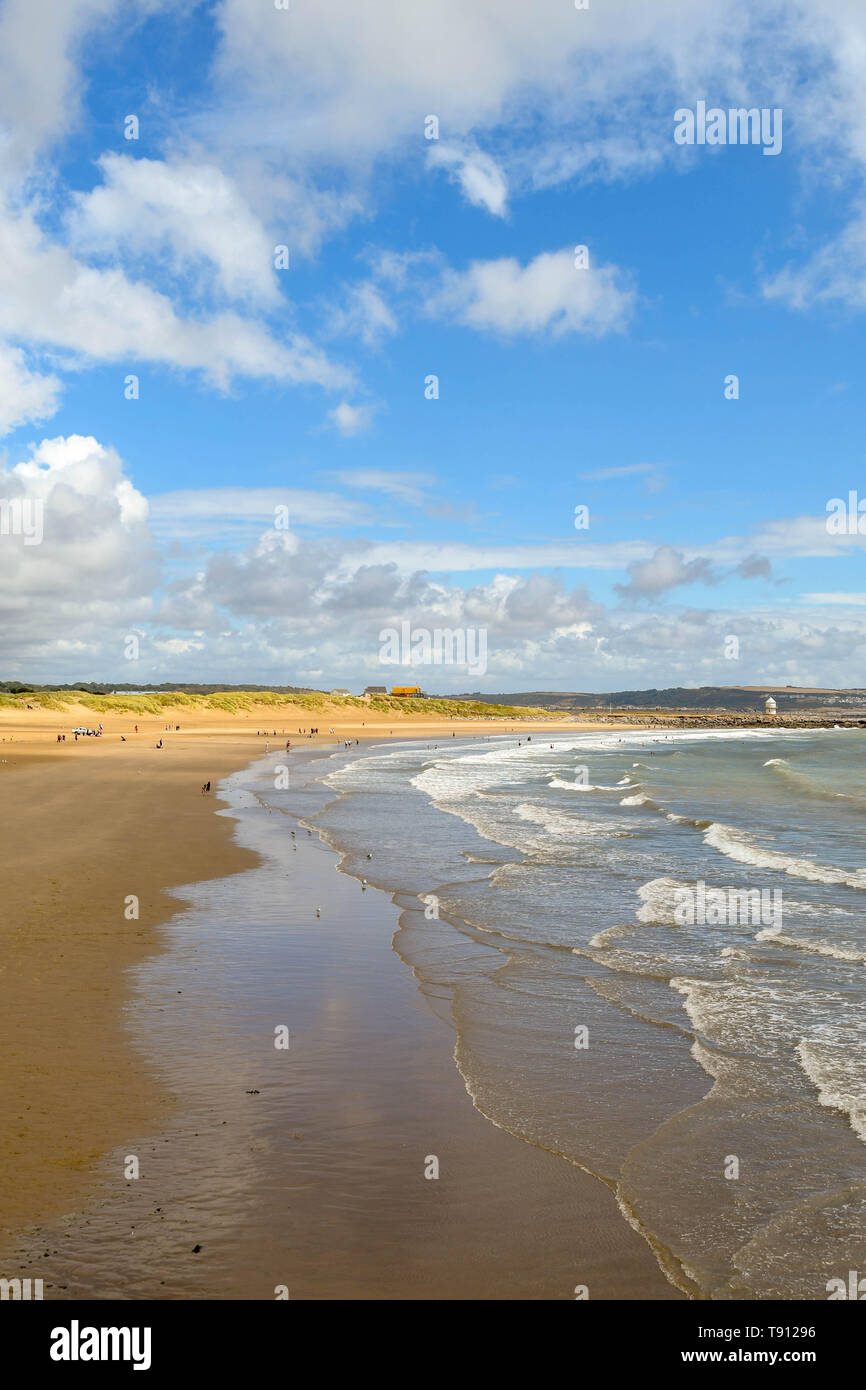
<point>237,701</point>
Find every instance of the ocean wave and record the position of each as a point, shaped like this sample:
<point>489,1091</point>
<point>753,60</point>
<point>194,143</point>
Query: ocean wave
<point>807,785</point>
<point>740,846</point>
<point>555,823</point>
<point>819,947</point>
<point>836,1070</point>
<point>559,782</point>
<point>659,900</point>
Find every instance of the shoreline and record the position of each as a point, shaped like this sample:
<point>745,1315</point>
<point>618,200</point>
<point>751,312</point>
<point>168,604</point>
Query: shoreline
<point>373,1088</point>
<point>81,836</point>
<point>86,827</point>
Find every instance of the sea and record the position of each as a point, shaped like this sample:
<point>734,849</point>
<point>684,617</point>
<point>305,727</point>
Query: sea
<point>651,948</point>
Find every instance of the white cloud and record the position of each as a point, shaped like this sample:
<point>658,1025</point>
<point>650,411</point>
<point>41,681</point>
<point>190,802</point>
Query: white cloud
<point>405,487</point>
<point>67,605</point>
<point>365,314</point>
<point>479,176</point>
<point>25,395</point>
<point>92,574</point>
<point>40,88</point>
<point>549,295</point>
<point>666,569</point>
<point>349,419</point>
<point>372,74</point>
<point>214,511</point>
<point>847,600</point>
<point>50,299</point>
<point>181,211</point>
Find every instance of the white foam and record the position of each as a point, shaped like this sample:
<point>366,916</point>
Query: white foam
<point>580,786</point>
<point>659,900</point>
<point>740,846</point>
<point>819,947</point>
<point>836,1069</point>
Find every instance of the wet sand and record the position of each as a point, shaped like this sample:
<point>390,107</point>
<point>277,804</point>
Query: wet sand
<point>305,1167</point>
<point>85,826</point>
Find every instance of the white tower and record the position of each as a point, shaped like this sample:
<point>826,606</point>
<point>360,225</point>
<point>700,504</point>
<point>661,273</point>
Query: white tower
<point>769,705</point>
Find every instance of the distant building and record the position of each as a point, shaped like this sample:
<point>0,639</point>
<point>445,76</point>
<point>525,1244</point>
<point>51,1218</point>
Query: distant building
<point>341,692</point>
<point>376,690</point>
<point>769,705</point>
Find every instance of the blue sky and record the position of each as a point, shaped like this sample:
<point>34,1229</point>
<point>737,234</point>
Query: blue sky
<point>304,387</point>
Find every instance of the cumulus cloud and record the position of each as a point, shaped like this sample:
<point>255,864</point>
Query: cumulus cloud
<point>373,74</point>
<point>182,212</point>
<point>667,569</point>
<point>304,606</point>
<point>91,575</point>
<point>51,299</point>
<point>26,396</point>
<point>755,567</point>
<point>40,90</point>
<point>548,295</point>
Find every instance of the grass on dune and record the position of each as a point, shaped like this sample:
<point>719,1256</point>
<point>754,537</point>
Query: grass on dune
<point>242,701</point>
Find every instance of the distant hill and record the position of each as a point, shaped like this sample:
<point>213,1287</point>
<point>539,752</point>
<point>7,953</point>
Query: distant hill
<point>190,687</point>
<point>706,697</point>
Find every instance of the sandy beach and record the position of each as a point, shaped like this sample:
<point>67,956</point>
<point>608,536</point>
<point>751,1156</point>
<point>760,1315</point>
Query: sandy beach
<point>450,1037</point>
<point>306,1168</point>
<point>86,825</point>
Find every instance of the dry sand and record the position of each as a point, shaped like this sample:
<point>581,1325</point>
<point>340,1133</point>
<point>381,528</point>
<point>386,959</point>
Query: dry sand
<point>85,825</point>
